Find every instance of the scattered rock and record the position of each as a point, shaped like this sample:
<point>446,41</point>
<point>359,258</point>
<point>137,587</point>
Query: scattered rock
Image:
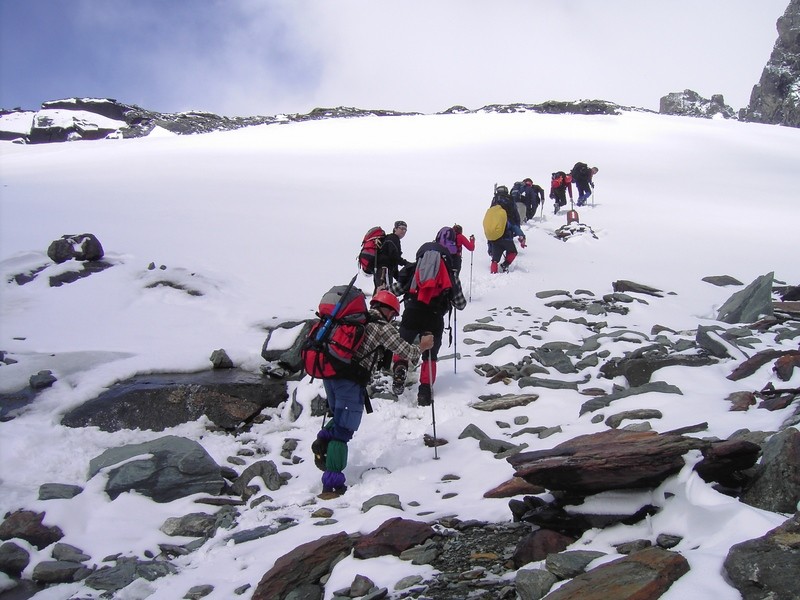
<point>27,525</point>
<point>168,468</point>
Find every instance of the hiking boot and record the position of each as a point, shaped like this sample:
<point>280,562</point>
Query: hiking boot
<point>504,267</point>
<point>424,395</point>
<point>399,379</point>
<point>331,493</point>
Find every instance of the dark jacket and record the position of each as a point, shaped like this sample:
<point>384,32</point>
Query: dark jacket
<point>391,255</point>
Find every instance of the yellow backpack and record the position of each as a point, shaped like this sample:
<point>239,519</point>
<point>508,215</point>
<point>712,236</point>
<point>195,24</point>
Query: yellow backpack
<point>494,222</point>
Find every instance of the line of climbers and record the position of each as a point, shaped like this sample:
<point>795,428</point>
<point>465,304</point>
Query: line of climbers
<point>350,341</point>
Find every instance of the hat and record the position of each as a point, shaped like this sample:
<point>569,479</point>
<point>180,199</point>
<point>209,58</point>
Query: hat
<point>400,224</point>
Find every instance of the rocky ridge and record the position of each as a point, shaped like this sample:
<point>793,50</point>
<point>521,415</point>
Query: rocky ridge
<point>523,558</point>
<point>76,119</point>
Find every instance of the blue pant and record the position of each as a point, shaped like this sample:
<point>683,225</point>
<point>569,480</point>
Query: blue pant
<point>346,401</point>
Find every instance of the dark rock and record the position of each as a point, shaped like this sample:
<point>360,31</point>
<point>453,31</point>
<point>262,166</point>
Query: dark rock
<point>497,344</point>
<point>623,285</point>
<point>70,553</point>
<point>84,269</point>
<point>304,565</point>
<point>42,380</point>
<point>755,362</point>
<point>747,305</point>
<point>774,98</point>
<point>505,402</point>
<point>614,421</point>
<point>58,491</point>
<point>256,533</point>
<point>603,401</point>
<point>199,591</point>
<point>776,483</point>
<point>191,525</point>
<point>220,360</point>
<point>288,358</point>
<point>392,537</point>
<point>724,461</point>
<point>705,339</point>
<point>765,568</point>
<point>266,470</point>
<point>556,518</point>
<point>646,574</point>
<point>79,247</point>
<point>785,365</point>
<point>59,571</point>
<point>533,584</point>
<point>27,525</point>
<point>741,401</point>
<point>566,565</point>
<point>515,486</point>
<point>609,460</point>
<point>106,107</point>
<point>691,104</point>
<point>638,368</point>
<point>229,398</point>
<point>308,591</point>
<point>722,280</point>
<point>125,571</point>
<point>13,559</point>
<point>170,467</point>
<point>538,544</point>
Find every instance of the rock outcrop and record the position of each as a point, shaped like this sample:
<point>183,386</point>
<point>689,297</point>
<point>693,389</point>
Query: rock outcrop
<point>775,98</point>
<point>689,103</point>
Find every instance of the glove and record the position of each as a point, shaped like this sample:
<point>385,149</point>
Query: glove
<point>522,241</point>
<point>472,239</point>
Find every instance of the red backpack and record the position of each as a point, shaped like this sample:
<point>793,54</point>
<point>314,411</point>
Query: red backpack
<point>368,257</point>
<point>432,282</point>
<point>331,344</point>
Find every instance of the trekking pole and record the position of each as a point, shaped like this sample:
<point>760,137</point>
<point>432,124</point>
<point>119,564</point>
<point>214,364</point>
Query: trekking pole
<point>455,342</point>
<point>433,409</point>
<point>471,254</point>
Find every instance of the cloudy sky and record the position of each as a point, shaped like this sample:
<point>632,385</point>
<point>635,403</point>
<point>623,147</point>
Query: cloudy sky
<point>242,57</point>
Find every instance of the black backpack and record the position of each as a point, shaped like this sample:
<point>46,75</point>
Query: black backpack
<point>516,191</point>
<point>580,171</point>
<point>502,198</point>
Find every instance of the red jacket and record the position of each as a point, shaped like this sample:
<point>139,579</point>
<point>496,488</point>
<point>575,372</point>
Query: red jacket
<point>463,241</point>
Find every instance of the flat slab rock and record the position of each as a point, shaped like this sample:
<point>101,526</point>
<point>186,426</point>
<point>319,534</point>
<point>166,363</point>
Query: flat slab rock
<point>609,460</point>
<point>645,574</point>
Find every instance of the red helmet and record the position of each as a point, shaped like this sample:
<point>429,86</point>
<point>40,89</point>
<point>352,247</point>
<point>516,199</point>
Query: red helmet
<point>386,299</point>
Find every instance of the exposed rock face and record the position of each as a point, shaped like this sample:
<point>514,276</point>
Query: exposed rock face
<point>776,97</point>
<point>689,103</point>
